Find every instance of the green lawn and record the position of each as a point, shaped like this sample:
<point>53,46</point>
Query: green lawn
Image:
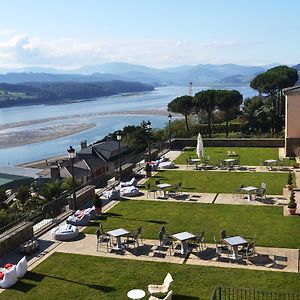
<point>249,156</point>
<point>222,182</point>
<point>71,276</point>
<point>267,223</point>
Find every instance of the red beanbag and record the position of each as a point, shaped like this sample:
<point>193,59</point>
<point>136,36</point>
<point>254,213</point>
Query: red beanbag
<point>1,275</point>
<point>8,266</point>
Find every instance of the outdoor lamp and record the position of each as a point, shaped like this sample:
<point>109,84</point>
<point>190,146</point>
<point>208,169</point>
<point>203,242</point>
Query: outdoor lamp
<point>72,156</point>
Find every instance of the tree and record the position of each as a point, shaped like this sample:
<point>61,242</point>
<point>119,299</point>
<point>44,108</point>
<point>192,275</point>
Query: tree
<point>23,194</point>
<point>207,102</point>
<point>3,197</point>
<point>182,105</point>
<point>50,190</point>
<point>271,83</point>
<point>257,115</point>
<point>229,102</point>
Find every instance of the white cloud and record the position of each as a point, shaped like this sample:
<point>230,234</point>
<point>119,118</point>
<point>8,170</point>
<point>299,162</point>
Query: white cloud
<point>22,50</point>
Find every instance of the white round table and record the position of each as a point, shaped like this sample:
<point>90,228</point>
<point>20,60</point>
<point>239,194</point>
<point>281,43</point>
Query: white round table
<point>136,294</point>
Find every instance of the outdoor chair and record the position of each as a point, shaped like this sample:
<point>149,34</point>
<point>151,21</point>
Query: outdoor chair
<point>197,243</point>
<point>261,193</point>
<point>134,237</point>
<point>151,190</point>
<point>102,237</point>
<point>221,249</point>
<point>248,251</point>
<point>21,267</point>
<point>221,164</point>
<point>168,297</point>
<point>161,289</point>
<point>238,191</point>
<point>223,234</point>
<point>10,278</point>
<point>165,240</point>
<point>174,190</point>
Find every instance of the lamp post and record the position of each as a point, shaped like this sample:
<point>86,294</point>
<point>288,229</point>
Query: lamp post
<point>148,134</point>
<point>170,119</point>
<point>119,138</point>
<point>72,156</point>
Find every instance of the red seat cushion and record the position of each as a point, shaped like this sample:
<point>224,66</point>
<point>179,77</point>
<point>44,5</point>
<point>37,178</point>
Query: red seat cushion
<point>1,275</point>
<point>8,266</point>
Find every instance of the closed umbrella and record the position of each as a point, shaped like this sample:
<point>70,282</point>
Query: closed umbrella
<point>200,148</point>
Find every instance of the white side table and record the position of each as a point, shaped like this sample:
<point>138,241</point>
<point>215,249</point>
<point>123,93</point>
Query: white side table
<point>136,294</point>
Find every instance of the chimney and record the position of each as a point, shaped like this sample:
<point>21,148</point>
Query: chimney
<point>55,171</point>
<point>83,144</point>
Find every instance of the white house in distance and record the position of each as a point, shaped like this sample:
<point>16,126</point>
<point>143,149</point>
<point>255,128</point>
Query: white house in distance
<point>292,121</point>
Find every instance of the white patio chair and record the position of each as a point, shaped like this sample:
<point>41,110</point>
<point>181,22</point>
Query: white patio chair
<point>168,297</point>
<point>161,288</point>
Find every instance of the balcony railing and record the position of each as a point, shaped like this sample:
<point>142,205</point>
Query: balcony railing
<point>229,293</point>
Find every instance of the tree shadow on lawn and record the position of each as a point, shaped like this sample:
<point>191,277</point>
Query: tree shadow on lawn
<point>114,215</point>
<point>37,277</point>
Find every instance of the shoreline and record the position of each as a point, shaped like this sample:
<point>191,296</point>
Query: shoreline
<point>25,137</point>
<point>156,112</point>
<point>21,137</point>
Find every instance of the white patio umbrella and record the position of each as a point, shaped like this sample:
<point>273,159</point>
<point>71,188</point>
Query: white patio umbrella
<point>200,148</point>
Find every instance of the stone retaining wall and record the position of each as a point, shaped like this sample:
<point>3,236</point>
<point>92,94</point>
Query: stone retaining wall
<point>15,237</point>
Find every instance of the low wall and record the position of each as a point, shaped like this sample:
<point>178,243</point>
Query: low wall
<point>15,237</point>
<point>84,195</point>
<point>246,142</point>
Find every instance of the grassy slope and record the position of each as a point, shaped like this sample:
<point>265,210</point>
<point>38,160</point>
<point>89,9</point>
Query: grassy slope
<point>70,276</point>
<point>268,224</point>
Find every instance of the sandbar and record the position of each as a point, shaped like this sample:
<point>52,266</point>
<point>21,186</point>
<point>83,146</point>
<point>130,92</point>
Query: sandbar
<point>24,137</point>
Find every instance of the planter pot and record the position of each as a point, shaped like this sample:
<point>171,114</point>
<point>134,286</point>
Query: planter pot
<point>292,211</point>
<point>98,210</point>
<point>289,187</point>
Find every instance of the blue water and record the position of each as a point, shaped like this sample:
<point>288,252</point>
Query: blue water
<point>104,124</point>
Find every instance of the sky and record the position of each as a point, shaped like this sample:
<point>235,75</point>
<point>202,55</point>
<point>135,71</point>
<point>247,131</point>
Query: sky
<point>69,34</point>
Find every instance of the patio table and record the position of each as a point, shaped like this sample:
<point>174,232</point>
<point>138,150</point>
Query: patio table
<point>163,187</point>
<point>229,162</point>
<point>118,233</point>
<point>235,242</point>
<point>270,163</point>
<point>249,190</point>
<point>183,237</point>
<point>136,294</point>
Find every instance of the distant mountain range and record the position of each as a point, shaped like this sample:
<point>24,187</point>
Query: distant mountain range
<point>227,74</point>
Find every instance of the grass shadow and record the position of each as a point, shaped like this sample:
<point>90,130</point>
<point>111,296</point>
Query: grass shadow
<point>183,297</point>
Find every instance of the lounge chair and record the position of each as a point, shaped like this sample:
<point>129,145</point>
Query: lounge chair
<point>10,278</point>
<point>132,182</point>
<point>238,191</point>
<point>161,288</point>
<point>21,267</point>
<point>168,297</point>
<point>129,191</point>
<point>65,232</point>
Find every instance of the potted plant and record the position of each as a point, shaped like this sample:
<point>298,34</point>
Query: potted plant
<point>290,181</point>
<point>148,170</point>
<point>292,205</point>
<point>97,204</point>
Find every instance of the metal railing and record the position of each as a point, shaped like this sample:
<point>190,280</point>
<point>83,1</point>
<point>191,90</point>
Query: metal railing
<point>229,293</point>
